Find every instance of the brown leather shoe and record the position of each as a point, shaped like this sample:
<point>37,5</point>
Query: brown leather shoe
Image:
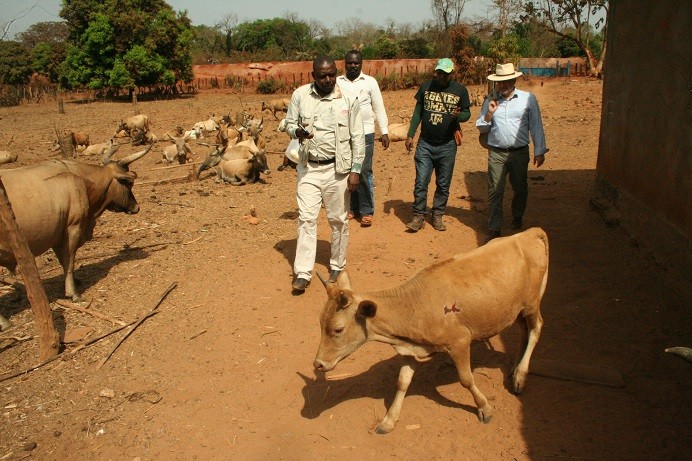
<point>417,223</point>
<point>438,224</point>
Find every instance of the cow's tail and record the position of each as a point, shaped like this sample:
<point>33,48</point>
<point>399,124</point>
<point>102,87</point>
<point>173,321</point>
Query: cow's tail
<point>543,237</point>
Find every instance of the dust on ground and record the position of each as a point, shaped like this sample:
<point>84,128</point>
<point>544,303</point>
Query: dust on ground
<point>224,370</point>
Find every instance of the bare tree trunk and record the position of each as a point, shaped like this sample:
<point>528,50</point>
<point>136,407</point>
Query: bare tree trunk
<point>49,340</point>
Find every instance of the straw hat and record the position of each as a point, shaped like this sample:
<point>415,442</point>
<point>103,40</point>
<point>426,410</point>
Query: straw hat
<point>504,72</point>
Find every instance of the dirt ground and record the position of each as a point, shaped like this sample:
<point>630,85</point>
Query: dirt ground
<point>224,370</point>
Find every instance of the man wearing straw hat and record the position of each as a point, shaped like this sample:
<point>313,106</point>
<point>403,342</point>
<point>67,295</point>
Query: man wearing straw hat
<point>508,120</point>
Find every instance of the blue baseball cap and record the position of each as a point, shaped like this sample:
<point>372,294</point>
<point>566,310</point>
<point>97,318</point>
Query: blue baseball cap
<point>445,65</point>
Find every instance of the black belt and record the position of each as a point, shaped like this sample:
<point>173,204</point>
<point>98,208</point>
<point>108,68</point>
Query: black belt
<point>509,149</point>
<point>322,161</point>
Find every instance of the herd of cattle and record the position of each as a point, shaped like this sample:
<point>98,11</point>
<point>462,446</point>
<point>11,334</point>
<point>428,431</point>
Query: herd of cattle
<point>56,203</point>
<point>441,309</point>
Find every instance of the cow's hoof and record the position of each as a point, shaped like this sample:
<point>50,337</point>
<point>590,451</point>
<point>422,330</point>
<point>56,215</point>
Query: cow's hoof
<point>485,414</point>
<point>385,427</point>
<point>518,382</point>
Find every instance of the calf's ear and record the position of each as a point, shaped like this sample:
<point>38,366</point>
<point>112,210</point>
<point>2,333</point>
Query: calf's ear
<point>367,309</point>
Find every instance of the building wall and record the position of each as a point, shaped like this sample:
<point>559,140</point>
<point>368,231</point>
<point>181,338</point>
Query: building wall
<point>645,151</point>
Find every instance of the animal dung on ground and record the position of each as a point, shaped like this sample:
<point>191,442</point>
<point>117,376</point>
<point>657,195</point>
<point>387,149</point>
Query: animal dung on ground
<point>252,217</point>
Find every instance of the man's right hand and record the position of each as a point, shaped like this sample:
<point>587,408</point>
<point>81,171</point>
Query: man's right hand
<point>301,133</point>
<point>492,107</point>
<point>409,144</point>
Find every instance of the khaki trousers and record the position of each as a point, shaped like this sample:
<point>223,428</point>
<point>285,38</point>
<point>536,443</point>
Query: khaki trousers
<point>317,184</point>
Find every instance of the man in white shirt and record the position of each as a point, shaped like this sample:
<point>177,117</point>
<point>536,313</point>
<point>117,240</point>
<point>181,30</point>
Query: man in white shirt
<point>366,89</point>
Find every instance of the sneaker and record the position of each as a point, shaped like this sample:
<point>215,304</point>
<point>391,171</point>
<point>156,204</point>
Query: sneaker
<point>438,224</point>
<point>516,223</point>
<point>333,275</point>
<point>493,234</point>
<point>417,223</point>
<point>300,285</point>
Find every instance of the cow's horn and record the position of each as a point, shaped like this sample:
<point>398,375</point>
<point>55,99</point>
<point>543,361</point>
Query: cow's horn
<point>136,156</point>
<point>324,282</point>
<point>684,352</point>
<point>109,153</point>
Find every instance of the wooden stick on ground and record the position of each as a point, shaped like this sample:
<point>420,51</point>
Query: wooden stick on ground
<point>141,319</point>
<point>168,167</point>
<point>66,355</point>
<point>159,181</point>
<point>85,310</point>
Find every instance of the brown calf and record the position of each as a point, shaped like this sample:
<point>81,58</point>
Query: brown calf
<point>443,308</point>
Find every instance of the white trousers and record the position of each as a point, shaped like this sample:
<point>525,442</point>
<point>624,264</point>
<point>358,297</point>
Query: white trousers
<point>319,184</point>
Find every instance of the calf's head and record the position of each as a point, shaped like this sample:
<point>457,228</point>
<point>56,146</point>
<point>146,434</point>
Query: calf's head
<point>342,323</point>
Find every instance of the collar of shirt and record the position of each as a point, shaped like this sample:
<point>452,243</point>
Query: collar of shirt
<point>335,94</point>
<point>361,76</point>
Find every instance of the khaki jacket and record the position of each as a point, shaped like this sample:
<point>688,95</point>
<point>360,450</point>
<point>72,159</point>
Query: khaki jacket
<point>336,123</point>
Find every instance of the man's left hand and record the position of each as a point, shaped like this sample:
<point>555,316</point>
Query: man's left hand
<point>538,160</point>
<point>385,141</point>
<point>353,179</point>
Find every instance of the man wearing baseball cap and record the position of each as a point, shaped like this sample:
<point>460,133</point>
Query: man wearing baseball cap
<point>441,104</point>
<point>508,120</point>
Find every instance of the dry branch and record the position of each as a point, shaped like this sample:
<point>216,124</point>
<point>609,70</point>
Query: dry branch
<point>85,310</point>
<point>175,166</point>
<point>66,355</point>
<point>141,319</point>
<point>159,181</point>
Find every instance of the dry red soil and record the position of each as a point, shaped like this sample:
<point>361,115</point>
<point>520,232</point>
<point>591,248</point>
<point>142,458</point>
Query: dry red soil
<point>224,370</point>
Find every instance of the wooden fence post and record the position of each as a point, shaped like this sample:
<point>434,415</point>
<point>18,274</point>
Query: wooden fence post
<point>48,339</point>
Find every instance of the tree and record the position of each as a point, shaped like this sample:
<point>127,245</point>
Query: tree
<point>227,26</point>
<point>570,19</point>
<point>447,12</point>
<point>15,63</point>
<point>154,50</point>
<point>44,32</point>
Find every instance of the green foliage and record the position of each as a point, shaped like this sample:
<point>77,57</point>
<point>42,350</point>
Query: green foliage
<point>15,63</point>
<point>264,34</point>
<point>154,50</point>
<point>504,49</point>
<point>144,65</point>
<point>270,86</point>
<point>385,47</point>
<point>416,47</point>
<point>46,58</point>
<point>119,76</point>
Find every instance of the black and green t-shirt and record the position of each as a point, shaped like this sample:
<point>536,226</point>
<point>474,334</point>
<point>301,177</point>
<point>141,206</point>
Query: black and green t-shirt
<point>438,122</point>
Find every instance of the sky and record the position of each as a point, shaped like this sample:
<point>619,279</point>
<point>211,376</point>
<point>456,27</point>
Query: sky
<point>18,15</point>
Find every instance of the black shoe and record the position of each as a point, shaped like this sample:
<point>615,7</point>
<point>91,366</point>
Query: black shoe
<point>333,275</point>
<point>516,223</point>
<point>492,235</point>
<point>300,285</point>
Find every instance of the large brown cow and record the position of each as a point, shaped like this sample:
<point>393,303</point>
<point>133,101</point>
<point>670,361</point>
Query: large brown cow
<point>443,308</point>
<point>56,205</point>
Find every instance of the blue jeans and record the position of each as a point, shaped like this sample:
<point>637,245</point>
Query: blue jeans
<point>440,159</point>
<point>363,198</point>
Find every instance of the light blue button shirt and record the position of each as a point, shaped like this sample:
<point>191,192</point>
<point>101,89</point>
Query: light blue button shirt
<point>512,122</point>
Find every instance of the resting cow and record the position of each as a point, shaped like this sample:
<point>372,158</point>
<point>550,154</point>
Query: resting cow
<point>443,308</point>
<point>56,205</point>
